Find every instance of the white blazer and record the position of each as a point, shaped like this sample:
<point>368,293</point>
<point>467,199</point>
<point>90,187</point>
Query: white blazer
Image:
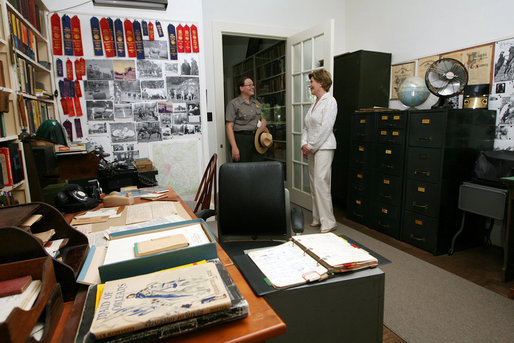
<point>318,125</point>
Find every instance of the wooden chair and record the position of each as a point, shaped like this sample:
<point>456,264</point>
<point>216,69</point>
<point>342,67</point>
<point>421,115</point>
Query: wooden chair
<point>204,194</point>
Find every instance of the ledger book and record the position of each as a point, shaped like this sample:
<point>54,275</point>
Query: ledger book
<point>309,258</point>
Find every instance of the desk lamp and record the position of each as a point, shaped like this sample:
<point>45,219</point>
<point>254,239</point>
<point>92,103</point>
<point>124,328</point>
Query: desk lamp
<point>53,131</point>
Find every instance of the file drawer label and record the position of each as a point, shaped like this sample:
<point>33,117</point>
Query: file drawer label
<point>396,133</point>
<point>385,117</point>
<point>362,121</point>
<point>361,148</point>
<point>418,222</point>
<point>383,133</point>
<point>387,181</point>
<point>397,117</point>
<point>425,121</point>
<point>421,189</point>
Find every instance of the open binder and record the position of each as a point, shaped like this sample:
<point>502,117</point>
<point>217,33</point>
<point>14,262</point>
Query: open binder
<point>309,258</point>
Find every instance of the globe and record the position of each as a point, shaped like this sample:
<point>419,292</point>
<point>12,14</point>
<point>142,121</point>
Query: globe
<point>413,91</point>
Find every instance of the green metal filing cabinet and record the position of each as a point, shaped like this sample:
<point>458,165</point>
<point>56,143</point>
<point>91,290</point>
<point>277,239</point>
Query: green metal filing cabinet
<point>406,168</point>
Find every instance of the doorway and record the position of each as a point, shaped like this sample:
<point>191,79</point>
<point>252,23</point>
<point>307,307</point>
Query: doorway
<point>263,60</point>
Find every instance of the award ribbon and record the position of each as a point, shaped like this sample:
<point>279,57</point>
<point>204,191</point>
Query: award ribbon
<point>120,40</point>
<point>180,38</point>
<point>107,38</point>
<point>159,28</point>
<point>66,29</point>
<point>78,109</point>
<point>56,34</point>
<point>71,88</point>
<point>78,126</point>
<point>69,70</point>
<point>129,34</point>
<point>78,91</point>
<point>59,69</point>
<point>194,39</point>
<point>78,74</point>
<point>111,27</point>
<point>144,25</point>
<point>96,35</point>
<point>187,39</point>
<point>64,106</point>
<point>173,42</point>
<point>67,126</point>
<point>69,104</point>
<point>150,31</point>
<point>76,36</point>
<point>138,36</point>
<point>61,88</point>
<point>82,67</point>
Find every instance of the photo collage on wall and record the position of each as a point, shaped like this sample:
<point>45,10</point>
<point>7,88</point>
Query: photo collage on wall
<point>501,98</point>
<point>132,82</point>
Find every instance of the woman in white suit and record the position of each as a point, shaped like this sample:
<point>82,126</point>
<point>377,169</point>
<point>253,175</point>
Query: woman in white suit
<point>318,146</point>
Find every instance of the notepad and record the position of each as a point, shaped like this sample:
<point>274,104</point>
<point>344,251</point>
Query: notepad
<point>157,245</point>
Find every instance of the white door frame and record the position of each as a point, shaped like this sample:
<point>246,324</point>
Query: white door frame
<point>218,30</point>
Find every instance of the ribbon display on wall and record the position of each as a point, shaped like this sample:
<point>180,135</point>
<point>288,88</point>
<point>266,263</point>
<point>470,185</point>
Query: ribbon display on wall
<point>187,39</point>
<point>107,38</point>
<point>76,36</point>
<point>129,34</point>
<point>78,128</point>
<point>180,38</point>
<point>172,38</point>
<point>59,67</point>
<point>68,127</point>
<point>78,91</point>
<point>159,28</point>
<point>150,31</point>
<point>138,37</point>
<point>69,70</point>
<point>96,36</point>
<point>78,109</point>
<point>194,39</point>
<point>111,29</point>
<point>144,26</point>
<point>120,40</point>
<point>56,34</point>
<point>68,41</point>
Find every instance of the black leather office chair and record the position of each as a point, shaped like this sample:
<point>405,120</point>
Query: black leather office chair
<point>253,203</point>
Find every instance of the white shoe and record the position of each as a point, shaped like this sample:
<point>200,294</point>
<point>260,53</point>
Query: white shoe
<point>327,230</point>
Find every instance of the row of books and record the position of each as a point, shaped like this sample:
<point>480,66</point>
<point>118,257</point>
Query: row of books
<point>37,113</point>
<point>10,165</point>
<point>274,68</point>
<point>30,10</point>
<point>26,76</point>
<point>24,39</point>
<point>272,85</point>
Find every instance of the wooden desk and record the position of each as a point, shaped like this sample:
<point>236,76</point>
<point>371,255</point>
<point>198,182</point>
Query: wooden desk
<point>261,324</point>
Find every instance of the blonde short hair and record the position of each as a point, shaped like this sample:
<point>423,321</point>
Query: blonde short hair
<point>323,77</point>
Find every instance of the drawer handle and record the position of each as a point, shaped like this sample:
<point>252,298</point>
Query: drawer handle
<point>417,238</point>
<point>426,173</point>
<point>429,139</point>
<point>386,196</point>
<point>387,226</point>
<point>387,166</point>
<point>420,206</point>
<point>389,140</point>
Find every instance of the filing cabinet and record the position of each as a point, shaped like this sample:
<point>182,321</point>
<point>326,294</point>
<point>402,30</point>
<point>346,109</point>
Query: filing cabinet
<point>443,146</point>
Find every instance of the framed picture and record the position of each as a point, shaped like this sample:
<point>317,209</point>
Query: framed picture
<point>424,63</point>
<point>400,72</point>
<point>478,61</point>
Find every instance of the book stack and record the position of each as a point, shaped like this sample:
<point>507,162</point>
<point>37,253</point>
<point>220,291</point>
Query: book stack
<point>167,303</point>
<point>73,148</point>
<point>11,164</point>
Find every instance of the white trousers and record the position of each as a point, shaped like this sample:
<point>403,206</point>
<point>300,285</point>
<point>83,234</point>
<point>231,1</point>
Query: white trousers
<point>320,174</point>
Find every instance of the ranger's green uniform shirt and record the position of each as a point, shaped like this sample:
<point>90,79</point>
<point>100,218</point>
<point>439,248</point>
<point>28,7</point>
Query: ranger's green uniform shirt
<point>244,115</point>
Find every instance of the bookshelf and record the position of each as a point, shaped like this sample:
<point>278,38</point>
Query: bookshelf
<point>267,70</point>
<point>27,72</point>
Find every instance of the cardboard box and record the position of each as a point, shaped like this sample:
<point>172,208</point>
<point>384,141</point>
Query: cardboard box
<point>164,260</point>
<point>143,165</point>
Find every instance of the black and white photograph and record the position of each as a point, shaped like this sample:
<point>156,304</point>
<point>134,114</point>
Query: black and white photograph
<point>123,111</point>
<point>97,128</point>
<point>178,129</point>
<point>180,118</point>
<point>506,110</point>
<point>148,132</point>
<point>122,132</point>
<point>149,69</point>
<point>193,119</point>
<point>153,90</point>
<point>145,111</point>
<point>171,68</point>
<point>99,70</point>
<point>98,90</point>
<point>179,107</point>
<point>183,88</point>
<point>504,131</point>
<point>189,66</point>
<point>127,91</point>
<point>156,49</point>
<point>99,110</point>
<point>165,107</point>
<point>193,109</point>
<point>124,70</point>
<point>504,60</point>
<point>500,88</point>
<point>190,129</point>
<point>166,133</point>
<point>117,147</point>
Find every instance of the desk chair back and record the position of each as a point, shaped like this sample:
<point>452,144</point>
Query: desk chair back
<point>252,202</point>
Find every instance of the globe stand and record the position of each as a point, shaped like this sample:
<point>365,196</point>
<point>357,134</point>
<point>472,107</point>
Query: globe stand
<point>443,102</point>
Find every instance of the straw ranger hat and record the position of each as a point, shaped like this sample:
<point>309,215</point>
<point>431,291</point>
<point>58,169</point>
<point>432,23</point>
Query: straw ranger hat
<point>263,140</point>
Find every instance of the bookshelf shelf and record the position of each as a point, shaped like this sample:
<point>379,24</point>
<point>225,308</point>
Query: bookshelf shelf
<point>24,47</point>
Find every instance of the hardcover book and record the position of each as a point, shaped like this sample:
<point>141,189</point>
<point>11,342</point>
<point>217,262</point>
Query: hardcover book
<point>150,300</point>
<point>308,258</point>
<point>239,309</point>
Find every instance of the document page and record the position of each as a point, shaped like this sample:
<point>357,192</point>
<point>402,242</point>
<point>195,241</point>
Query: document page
<point>287,265</point>
<point>148,211</point>
<point>332,249</point>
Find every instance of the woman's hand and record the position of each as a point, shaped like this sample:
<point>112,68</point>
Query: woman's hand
<point>306,151</point>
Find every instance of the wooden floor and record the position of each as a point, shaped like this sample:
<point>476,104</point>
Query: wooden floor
<point>479,265</point>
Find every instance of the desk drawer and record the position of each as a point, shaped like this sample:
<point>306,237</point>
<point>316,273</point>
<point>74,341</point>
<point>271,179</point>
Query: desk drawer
<point>426,129</point>
<point>391,136</point>
<point>422,197</point>
<point>420,231</point>
<point>424,164</point>
<point>362,155</point>
<point>390,159</point>
<point>389,188</point>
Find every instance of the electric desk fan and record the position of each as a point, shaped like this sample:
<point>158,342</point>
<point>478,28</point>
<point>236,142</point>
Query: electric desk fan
<point>445,78</point>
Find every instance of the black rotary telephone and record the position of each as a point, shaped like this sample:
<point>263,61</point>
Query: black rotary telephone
<point>73,198</point>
